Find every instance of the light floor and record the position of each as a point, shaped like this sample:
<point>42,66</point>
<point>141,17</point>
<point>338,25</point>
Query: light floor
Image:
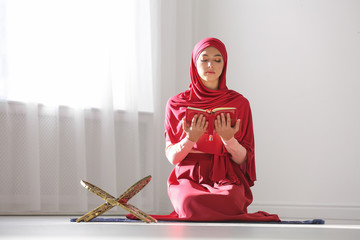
<point>59,227</point>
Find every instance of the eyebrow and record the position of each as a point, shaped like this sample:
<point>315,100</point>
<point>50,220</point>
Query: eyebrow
<point>217,55</point>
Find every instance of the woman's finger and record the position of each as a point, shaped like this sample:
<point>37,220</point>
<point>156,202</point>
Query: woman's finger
<point>223,121</point>
<point>184,125</point>
<point>203,121</point>
<point>216,123</point>
<point>194,120</point>
<point>237,126</point>
<point>206,125</point>
<point>199,120</point>
<point>228,120</point>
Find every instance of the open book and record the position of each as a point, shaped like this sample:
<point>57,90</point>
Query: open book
<point>211,115</point>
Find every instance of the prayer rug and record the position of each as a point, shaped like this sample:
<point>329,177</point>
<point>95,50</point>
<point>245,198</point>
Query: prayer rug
<point>314,221</point>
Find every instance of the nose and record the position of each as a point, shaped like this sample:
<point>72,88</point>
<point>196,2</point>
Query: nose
<point>210,64</point>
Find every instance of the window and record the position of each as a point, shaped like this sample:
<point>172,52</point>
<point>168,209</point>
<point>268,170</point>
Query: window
<point>78,53</point>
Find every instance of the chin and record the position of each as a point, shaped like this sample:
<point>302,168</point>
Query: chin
<point>211,80</point>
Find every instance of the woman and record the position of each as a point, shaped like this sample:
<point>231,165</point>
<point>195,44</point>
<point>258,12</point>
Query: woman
<point>212,176</point>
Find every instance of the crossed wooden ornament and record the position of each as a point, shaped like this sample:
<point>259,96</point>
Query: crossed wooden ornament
<point>121,201</point>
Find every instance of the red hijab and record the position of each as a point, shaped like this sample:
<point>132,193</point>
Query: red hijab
<point>201,97</point>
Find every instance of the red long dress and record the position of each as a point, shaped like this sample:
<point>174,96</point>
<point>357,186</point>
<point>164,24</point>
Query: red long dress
<point>210,186</point>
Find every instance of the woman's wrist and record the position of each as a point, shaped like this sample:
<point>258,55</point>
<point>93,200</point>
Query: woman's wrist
<point>191,138</point>
<point>187,141</point>
<point>229,141</point>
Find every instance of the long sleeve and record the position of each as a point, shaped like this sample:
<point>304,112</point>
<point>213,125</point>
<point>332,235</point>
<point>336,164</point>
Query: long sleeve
<point>237,151</point>
<point>177,152</point>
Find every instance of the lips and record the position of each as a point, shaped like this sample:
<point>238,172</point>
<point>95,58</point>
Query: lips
<point>210,72</point>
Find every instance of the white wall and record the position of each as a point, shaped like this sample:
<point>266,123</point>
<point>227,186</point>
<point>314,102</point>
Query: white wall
<point>298,62</point>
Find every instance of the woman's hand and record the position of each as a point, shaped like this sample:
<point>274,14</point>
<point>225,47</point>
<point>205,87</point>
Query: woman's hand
<point>196,129</point>
<point>223,126</point>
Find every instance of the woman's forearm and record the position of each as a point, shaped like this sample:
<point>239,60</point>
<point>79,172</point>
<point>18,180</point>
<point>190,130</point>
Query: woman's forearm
<point>237,151</point>
<point>175,153</point>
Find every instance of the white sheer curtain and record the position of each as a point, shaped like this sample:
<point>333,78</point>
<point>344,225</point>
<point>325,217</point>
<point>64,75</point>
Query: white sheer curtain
<point>76,102</point>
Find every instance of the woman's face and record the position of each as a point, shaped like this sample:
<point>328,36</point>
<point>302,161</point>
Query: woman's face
<point>209,66</point>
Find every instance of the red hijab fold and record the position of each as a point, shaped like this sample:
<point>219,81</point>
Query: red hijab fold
<point>201,97</point>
